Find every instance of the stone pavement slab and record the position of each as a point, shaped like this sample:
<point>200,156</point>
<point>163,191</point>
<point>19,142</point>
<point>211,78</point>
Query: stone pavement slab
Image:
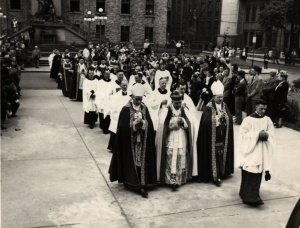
<point>66,182</point>
<point>49,177</point>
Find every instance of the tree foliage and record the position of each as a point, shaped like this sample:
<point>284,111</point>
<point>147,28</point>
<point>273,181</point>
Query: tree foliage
<point>292,11</point>
<point>273,16</point>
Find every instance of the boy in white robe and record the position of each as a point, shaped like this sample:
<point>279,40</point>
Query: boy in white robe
<point>89,93</point>
<point>104,90</point>
<point>257,144</point>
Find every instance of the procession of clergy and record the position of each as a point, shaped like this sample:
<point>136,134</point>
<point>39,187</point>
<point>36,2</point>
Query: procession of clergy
<point>156,133</point>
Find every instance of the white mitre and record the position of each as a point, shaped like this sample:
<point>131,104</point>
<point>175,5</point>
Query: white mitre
<point>138,90</point>
<point>217,88</point>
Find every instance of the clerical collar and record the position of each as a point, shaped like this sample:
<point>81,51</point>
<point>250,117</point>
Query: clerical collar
<point>142,82</point>
<point>136,107</point>
<point>106,79</point>
<point>256,115</point>
<point>162,91</point>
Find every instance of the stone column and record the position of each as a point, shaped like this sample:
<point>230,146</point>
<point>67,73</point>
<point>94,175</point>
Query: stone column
<point>57,5</point>
<point>229,20</point>
<point>34,6</point>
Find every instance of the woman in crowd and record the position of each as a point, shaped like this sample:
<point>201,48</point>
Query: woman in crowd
<point>281,92</point>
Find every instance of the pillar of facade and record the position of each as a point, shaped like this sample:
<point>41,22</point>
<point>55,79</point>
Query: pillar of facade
<point>57,4</point>
<point>229,20</point>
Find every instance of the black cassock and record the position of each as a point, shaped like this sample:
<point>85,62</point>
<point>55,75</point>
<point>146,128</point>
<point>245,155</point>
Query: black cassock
<point>215,145</point>
<point>55,68</point>
<point>123,167</point>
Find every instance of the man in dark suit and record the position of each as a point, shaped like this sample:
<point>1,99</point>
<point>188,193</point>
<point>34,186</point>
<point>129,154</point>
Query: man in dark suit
<point>254,88</point>
<point>239,93</point>
<point>36,55</point>
<point>269,94</point>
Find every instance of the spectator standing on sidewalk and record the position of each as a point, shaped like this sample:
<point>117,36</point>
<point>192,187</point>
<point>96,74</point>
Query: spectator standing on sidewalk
<point>266,60</point>
<point>286,56</point>
<point>271,55</point>
<point>276,56</point>
<point>239,96</point>
<point>281,92</point>
<point>36,55</point>
<point>254,87</point>
<point>293,55</point>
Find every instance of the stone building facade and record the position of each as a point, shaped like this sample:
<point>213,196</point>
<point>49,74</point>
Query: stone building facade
<point>277,39</point>
<point>214,21</point>
<point>198,20</point>
<point>127,20</point>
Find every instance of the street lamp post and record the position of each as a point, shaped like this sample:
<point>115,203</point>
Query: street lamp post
<point>101,17</point>
<point>89,19</point>
<point>253,42</point>
<point>2,16</point>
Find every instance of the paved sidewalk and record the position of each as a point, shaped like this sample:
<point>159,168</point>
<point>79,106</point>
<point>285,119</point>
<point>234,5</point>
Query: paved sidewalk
<point>55,174</point>
<point>43,69</point>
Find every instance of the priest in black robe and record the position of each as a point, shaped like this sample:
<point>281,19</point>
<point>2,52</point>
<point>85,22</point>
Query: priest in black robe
<point>56,66</point>
<point>134,162</point>
<point>215,143</point>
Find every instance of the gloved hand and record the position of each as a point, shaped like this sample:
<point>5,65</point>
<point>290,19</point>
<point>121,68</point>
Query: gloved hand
<point>267,176</point>
<point>263,136</point>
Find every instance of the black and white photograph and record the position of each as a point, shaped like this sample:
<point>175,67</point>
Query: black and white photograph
<point>150,113</point>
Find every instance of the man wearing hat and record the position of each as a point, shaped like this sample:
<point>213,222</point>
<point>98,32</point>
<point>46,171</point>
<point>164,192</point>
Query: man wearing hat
<point>254,89</point>
<point>256,147</point>
<point>133,162</point>
<point>176,144</point>
<point>215,144</point>
<point>281,92</point>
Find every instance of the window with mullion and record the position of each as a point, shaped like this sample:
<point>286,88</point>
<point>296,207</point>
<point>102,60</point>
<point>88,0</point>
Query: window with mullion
<point>125,7</point>
<point>149,34</point>
<point>74,5</point>
<point>15,4</point>
<point>125,33</point>
<point>149,7</point>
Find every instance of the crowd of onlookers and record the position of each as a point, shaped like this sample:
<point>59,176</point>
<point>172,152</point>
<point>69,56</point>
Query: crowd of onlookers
<point>196,73</point>
<point>14,53</point>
